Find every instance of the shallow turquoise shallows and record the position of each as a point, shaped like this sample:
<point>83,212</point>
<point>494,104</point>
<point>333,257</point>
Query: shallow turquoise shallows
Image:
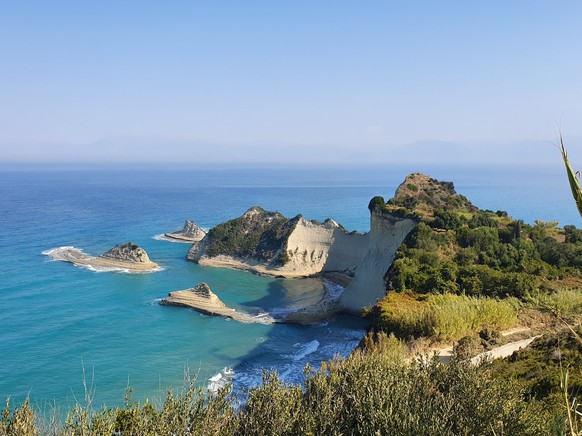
<point>61,325</point>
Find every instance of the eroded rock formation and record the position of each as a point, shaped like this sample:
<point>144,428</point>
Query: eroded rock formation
<point>202,299</point>
<point>268,243</point>
<point>189,233</point>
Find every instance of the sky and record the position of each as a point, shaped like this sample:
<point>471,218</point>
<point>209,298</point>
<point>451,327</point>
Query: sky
<point>312,81</point>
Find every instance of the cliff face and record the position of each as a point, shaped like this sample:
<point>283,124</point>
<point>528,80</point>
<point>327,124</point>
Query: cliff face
<point>387,233</point>
<point>314,247</point>
<point>268,243</point>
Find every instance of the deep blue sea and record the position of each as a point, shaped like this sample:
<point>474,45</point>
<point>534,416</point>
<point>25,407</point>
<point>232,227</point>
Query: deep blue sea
<point>60,324</point>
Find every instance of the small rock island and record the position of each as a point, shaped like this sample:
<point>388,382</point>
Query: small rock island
<point>127,257</point>
<point>189,233</point>
<point>202,299</point>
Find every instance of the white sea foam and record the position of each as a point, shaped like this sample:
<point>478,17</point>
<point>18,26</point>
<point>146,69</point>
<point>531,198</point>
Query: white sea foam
<point>333,289</point>
<point>220,379</point>
<point>280,313</point>
<point>154,302</point>
<point>248,379</point>
<point>264,318</point>
<point>101,269</point>
<point>52,251</point>
<point>215,378</point>
<point>305,349</point>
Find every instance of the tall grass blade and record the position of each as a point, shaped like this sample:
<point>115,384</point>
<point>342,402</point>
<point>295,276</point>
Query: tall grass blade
<point>572,177</point>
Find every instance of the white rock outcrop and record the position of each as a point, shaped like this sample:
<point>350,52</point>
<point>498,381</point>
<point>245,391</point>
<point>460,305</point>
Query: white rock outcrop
<point>189,233</point>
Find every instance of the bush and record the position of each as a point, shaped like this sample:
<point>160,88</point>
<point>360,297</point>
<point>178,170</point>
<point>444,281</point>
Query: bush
<point>20,422</point>
<point>467,347</point>
<point>377,203</point>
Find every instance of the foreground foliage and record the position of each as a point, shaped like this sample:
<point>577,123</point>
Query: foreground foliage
<point>373,392</point>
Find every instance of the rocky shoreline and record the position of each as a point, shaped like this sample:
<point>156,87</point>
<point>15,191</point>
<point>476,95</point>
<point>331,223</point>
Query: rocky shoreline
<point>267,243</point>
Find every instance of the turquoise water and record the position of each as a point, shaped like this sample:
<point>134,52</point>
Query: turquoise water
<point>58,321</point>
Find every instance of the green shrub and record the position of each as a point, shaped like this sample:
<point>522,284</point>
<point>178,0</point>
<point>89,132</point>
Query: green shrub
<point>566,303</point>
<point>377,203</point>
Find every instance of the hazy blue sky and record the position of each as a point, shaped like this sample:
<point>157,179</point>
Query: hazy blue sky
<point>336,81</point>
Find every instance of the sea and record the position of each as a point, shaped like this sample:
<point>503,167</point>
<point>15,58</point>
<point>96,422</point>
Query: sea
<point>70,334</point>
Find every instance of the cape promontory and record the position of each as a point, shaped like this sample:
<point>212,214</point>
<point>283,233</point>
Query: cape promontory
<point>268,243</point>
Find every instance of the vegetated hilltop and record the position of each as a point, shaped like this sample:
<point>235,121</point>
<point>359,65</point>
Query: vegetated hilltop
<point>424,196</point>
<point>463,269</point>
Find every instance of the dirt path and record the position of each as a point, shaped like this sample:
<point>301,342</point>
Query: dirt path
<point>445,354</point>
